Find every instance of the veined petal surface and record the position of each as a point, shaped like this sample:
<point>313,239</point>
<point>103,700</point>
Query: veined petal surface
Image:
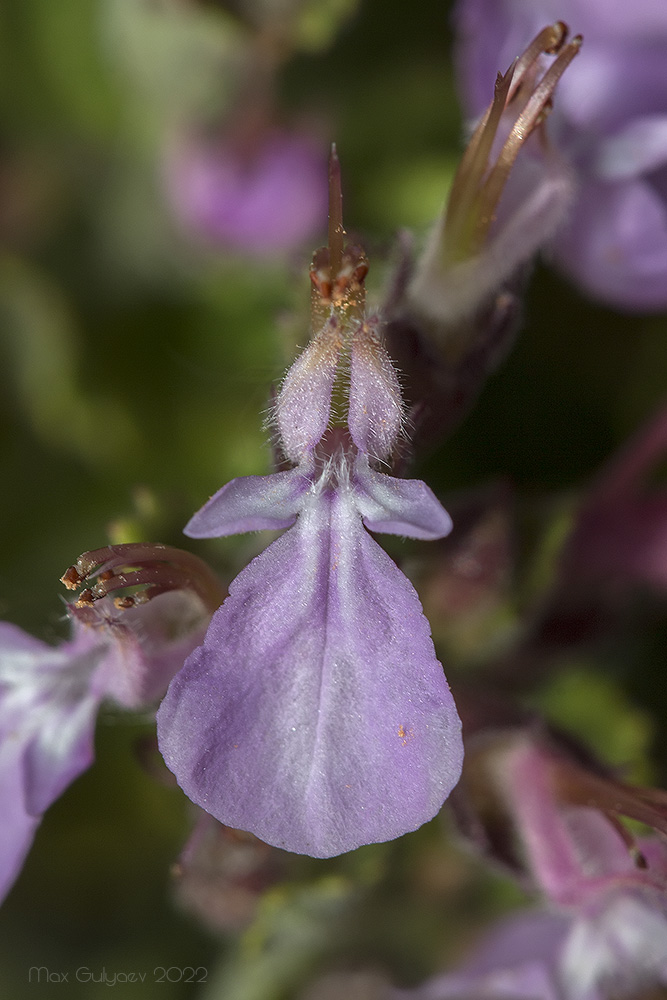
<point>315,714</point>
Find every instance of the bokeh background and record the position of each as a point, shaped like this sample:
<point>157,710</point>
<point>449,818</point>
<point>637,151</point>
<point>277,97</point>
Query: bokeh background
<point>136,363</point>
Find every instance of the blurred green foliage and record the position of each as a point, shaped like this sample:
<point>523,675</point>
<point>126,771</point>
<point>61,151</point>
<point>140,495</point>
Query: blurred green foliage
<point>135,370</point>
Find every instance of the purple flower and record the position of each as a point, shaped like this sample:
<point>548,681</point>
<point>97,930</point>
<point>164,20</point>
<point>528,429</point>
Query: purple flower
<point>556,822</point>
<point>620,532</point>
<point>316,715</point>
<point>610,122</point>
<point>48,704</point>
<point>50,696</point>
<point>538,954</point>
<point>269,199</point>
<point>516,960</point>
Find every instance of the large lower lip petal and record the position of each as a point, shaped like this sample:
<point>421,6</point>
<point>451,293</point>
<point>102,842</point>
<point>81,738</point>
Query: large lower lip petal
<point>316,714</point>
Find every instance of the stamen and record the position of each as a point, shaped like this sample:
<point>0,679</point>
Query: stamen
<point>157,568</point>
<point>531,116</point>
<point>549,42</point>
<point>579,787</point>
<point>471,169</point>
<point>476,189</point>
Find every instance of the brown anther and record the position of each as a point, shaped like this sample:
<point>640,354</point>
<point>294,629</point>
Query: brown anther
<point>360,272</point>
<point>321,281</point>
<point>71,578</point>
<point>560,32</point>
<point>155,568</point>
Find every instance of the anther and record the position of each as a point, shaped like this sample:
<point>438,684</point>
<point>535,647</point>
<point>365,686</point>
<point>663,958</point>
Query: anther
<point>153,567</point>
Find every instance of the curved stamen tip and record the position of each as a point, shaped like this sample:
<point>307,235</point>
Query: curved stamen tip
<point>72,578</point>
<point>154,568</point>
<point>560,32</point>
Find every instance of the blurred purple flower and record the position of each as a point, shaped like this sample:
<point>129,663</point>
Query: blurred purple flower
<point>588,865</point>
<point>316,714</point>
<point>48,703</point>
<point>537,954</point>
<point>268,200</point>
<point>516,960</point>
<point>50,696</point>
<point>620,531</point>
<point>222,874</point>
<point>610,122</point>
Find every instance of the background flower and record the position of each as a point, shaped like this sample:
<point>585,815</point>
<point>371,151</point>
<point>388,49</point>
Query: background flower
<point>610,121</point>
<point>269,199</point>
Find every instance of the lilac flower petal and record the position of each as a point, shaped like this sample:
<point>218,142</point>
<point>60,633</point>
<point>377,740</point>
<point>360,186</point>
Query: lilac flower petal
<point>304,402</point>
<point>619,949</point>
<point>151,643</point>
<point>487,35</point>
<point>638,148</point>
<point>316,715</point>
<point>640,20</point>
<point>375,414</point>
<point>251,503</point>
<point>619,69</point>
<point>523,936</point>
<point>529,981</point>
<point>654,852</point>
<point>516,959</point>
<point>399,506</point>
<point>49,699</point>
<point>17,828</point>
<point>59,728</point>
<point>14,642</point>
<point>616,244</point>
<point>572,852</point>
<point>61,750</point>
